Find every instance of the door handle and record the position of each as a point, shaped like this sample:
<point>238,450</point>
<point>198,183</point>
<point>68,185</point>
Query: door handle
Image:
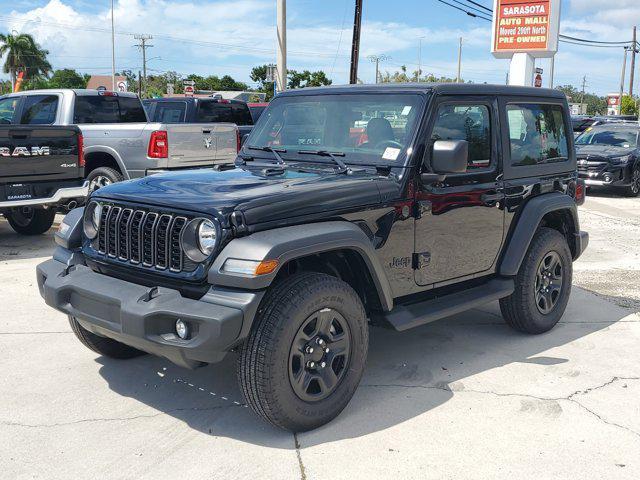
<point>206,131</point>
<point>491,199</point>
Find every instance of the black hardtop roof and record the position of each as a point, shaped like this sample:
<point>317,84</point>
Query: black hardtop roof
<point>437,88</point>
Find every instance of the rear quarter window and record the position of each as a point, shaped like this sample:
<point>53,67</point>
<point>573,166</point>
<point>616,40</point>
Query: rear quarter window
<point>108,109</point>
<point>537,134</point>
<point>39,110</point>
<point>214,112</point>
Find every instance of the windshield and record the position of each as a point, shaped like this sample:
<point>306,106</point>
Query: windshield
<point>616,137</point>
<point>366,128</point>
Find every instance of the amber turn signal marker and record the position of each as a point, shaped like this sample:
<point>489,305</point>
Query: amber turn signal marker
<point>266,266</point>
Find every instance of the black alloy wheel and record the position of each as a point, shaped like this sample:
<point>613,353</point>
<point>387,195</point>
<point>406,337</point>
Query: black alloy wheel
<point>319,355</point>
<point>548,284</point>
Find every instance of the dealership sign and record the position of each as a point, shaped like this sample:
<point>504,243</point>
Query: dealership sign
<point>525,27</point>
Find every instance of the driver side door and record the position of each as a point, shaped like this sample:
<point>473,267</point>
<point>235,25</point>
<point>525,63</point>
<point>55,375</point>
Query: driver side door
<point>460,221</point>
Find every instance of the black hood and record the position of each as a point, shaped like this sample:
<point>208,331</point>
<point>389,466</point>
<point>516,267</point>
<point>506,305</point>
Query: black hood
<point>261,198</point>
<point>603,151</point>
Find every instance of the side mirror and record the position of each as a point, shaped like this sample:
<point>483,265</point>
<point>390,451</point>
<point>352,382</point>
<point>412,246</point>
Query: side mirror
<point>450,156</point>
<point>244,139</point>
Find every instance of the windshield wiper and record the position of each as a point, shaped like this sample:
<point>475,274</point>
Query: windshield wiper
<point>342,167</point>
<point>275,151</point>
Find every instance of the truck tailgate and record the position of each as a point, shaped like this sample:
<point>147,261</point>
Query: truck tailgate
<point>42,152</point>
<point>201,144</point>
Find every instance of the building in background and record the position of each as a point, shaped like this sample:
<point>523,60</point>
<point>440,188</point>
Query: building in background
<point>103,82</point>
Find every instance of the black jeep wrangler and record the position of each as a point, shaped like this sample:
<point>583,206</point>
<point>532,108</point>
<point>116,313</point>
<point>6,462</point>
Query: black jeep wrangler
<point>348,206</point>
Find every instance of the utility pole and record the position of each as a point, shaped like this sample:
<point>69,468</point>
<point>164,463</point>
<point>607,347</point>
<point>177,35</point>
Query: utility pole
<point>622,77</point>
<point>143,45</point>
<point>355,44</point>
<point>281,60</point>
<point>584,84</point>
<point>552,64</point>
<point>634,46</point>
<point>113,51</point>
<point>376,59</point>
<point>458,78</point>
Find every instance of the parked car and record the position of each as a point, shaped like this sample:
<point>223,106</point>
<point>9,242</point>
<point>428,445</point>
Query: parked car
<point>608,156</point>
<point>200,110</point>
<point>41,172</point>
<point>286,258</point>
<point>581,122</point>
<point>257,109</point>
<point>119,142</point>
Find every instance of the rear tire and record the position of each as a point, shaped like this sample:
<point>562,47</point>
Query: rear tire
<point>103,345</point>
<point>542,286</point>
<point>103,176</point>
<point>31,221</point>
<point>306,351</point>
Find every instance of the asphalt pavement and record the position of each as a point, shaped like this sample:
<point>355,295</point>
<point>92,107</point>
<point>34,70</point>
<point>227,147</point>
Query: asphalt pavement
<point>464,397</point>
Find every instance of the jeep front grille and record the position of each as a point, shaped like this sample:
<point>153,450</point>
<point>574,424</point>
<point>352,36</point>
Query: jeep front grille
<point>141,237</point>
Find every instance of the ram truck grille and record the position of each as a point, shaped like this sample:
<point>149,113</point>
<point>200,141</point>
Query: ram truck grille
<point>142,237</point>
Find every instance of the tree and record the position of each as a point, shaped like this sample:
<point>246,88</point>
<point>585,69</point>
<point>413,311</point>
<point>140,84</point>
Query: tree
<point>596,105</point>
<point>628,106</point>
<point>67,78</point>
<point>307,79</point>
<point>259,75</point>
<point>403,77</point>
<point>23,54</point>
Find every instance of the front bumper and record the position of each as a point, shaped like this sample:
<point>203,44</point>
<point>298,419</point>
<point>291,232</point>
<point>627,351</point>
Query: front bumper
<point>605,175</point>
<point>79,192</point>
<point>144,317</point>
<point>581,243</point>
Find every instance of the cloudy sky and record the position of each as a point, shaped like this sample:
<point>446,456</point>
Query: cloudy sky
<point>230,37</point>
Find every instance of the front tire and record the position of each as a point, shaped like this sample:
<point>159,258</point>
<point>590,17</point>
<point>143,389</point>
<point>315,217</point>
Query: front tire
<point>542,286</point>
<point>306,351</point>
<point>31,221</point>
<point>634,188</point>
<point>103,345</point>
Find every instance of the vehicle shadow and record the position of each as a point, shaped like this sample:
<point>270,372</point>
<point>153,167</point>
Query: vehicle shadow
<point>15,247</point>
<point>604,192</point>
<point>438,357</point>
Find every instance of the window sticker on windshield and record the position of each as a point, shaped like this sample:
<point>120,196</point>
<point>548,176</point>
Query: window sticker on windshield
<point>391,153</point>
<point>406,110</point>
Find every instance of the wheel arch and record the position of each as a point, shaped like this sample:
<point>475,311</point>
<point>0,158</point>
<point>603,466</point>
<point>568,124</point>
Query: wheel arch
<point>100,156</point>
<point>337,248</point>
<point>554,210</point>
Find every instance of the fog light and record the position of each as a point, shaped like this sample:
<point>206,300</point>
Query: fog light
<point>181,329</point>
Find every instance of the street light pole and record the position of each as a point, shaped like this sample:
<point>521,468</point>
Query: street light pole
<point>458,78</point>
<point>622,77</point>
<point>420,58</point>
<point>113,51</point>
<point>281,60</point>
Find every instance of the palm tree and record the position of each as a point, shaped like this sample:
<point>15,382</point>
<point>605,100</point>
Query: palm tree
<point>23,54</point>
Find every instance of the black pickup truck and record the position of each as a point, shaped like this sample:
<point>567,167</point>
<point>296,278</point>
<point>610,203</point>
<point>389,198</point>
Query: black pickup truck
<point>200,110</point>
<point>41,172</point>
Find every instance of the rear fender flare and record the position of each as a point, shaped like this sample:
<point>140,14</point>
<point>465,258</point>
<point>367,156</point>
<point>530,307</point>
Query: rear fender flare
<point>112,153</point>
<point>528,222</point>
<point>288,243</point>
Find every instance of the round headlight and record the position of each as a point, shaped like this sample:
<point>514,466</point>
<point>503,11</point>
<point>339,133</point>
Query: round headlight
<point>207,237</point>
<point>91,222</point>
<point>96,216</point>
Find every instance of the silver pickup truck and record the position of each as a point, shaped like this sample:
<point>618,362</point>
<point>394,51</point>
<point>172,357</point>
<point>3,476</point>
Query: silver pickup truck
<point>119,142</point>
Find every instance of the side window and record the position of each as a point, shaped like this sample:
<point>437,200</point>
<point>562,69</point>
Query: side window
<point>39,110</point>
<point>8,109</point>
<point>536,134</point>
<point>470,122</point>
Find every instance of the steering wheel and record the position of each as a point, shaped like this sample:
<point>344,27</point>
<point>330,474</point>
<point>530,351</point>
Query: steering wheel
<point>388,143</point>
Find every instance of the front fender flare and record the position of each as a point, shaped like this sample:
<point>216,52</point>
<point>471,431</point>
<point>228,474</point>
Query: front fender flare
<point>288,243</point>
